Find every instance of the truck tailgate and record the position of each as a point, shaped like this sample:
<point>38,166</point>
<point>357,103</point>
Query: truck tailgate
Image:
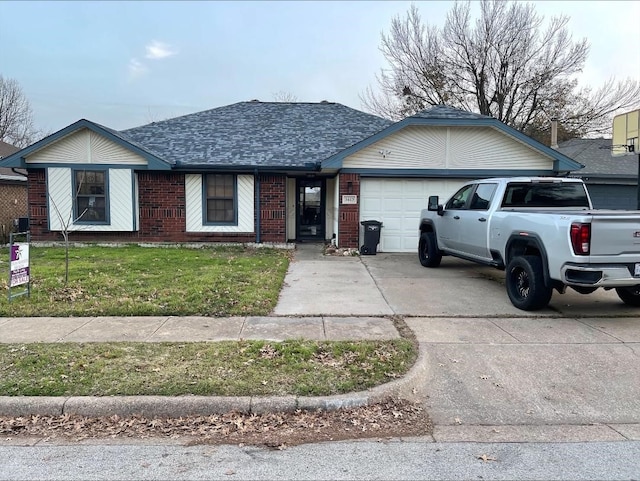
<point>615,233</point>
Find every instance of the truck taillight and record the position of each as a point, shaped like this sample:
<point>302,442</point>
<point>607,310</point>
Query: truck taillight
<point>580,238</point>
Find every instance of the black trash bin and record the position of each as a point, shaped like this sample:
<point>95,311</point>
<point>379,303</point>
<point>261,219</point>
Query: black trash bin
<point>371,237</point>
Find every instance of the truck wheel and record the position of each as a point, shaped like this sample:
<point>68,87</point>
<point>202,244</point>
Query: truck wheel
<point>629,295</point>
<point>428,251</point>
<point>525,283</point>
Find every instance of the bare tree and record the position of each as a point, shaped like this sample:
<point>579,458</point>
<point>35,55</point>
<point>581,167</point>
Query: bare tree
<point>504,65</point>
<point>16,116</point>
<point>66,221</point>
<point>282,96</point>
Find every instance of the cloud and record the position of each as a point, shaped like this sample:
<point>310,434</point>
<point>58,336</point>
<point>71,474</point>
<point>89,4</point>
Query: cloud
<point>136,68</point>
<point>157,50</point>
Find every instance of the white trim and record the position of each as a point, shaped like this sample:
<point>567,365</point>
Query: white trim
<point>193,201</point>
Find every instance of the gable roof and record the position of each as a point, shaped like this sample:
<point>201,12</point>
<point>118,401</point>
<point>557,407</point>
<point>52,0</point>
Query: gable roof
<point>18,158</point>
<point>443,115</point>
<point>596,156</point>
<point>260,134</point>
<point>7,149</point>
<point>6,173</point>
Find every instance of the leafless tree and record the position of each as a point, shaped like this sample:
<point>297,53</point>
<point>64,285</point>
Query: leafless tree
<point>66,221</point>
<point>283,96</point>
<point>506,64</point>
<point>16,116</point>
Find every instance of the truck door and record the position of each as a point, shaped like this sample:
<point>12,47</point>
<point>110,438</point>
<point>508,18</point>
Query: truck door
<point>474,220</point>
<point>450,227</point>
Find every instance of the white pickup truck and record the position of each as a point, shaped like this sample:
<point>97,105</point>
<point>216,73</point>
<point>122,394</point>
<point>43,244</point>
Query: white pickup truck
<point>543,231</point>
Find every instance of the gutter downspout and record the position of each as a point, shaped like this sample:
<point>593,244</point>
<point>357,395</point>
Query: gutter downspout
<point>13,169</point>
<point>257,177</point>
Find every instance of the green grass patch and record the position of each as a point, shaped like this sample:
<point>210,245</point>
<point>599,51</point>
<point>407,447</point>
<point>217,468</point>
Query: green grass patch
<point>146,281</point>
<point>233,368</point>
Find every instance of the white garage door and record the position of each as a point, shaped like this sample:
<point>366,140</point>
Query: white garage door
<point>397,204</point>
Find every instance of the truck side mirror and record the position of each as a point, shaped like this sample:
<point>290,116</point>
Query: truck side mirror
<point>433,204</point>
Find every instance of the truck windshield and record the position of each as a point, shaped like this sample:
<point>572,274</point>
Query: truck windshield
<point>545,194</point>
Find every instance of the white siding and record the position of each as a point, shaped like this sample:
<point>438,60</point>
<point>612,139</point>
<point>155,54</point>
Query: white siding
<point>85,147</point>
<point>121,201</point>
<point>431,147</point>
<point>330,208</point>
<point>397,204</point>
<point>291,208</point>
<point>193,191</point>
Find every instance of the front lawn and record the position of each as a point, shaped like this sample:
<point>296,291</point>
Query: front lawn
<point>148,281</point>
<point>229,368</point>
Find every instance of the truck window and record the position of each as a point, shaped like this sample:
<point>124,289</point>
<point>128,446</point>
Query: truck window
<point>459,199</point>
<point>545,194</point>
<point>482,196</point>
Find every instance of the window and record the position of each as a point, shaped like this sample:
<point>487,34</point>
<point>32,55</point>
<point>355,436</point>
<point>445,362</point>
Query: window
<point>220,199</point>
<point>90,203</point>
<point>482,196</point>
<point>459,199</point>
<point>545,194</point>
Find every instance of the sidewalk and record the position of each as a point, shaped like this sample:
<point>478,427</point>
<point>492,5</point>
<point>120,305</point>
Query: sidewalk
<point>186,329</point>
<point>190,329</point>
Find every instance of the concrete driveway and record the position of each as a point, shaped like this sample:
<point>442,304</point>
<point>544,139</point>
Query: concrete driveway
<point>461,288</point>
<point>387,284</point>
<point>495,373</point>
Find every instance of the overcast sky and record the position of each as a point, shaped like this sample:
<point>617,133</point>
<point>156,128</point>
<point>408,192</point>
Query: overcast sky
<point>124,64</point>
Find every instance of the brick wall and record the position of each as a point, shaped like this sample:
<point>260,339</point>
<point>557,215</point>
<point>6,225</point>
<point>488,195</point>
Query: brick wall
<point>349,215</point>
<point>163,213</point>
<point>37,198</point>
<point>13,204</point>
<point>273,211</point>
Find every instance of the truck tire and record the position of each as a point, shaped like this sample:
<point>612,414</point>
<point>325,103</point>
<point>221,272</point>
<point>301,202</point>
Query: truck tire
<point>525,283</point>
<point>428,252</point>
<point>629,295</point>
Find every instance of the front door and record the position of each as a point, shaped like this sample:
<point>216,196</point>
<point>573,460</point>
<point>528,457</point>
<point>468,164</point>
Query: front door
<point>310,209</point>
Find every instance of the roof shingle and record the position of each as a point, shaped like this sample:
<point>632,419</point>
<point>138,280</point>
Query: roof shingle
<point>596,156</point>
<point>257,134</point>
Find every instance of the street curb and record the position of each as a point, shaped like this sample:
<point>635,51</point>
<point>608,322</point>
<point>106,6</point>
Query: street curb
<point>173,407</point>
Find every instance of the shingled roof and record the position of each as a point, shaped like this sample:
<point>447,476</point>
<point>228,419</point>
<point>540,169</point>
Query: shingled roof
<point>595,155</point>
<point>7,174</point>
<point>258,134</point>
<point>445,112</point>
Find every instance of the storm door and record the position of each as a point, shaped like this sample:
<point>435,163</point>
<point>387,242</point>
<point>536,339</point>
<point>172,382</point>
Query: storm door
<point>310,208</point>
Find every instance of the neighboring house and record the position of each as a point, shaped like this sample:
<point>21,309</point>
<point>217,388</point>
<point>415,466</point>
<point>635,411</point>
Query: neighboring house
<point>612,181</point>
<point>268,172</point>
<point>13,194</point>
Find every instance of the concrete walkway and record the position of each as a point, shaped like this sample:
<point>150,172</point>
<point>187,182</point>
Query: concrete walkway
<point>185,329</point>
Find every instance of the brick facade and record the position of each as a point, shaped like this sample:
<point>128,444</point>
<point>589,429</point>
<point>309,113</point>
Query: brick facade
<point>13,204</point>
<point>273,208</point>
<point>162,212</point>
<point>349,215</point>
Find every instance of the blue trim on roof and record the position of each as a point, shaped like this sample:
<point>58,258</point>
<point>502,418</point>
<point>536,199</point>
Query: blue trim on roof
<point>18,158</point>
<point>448,173</point>
<point>561,163</point>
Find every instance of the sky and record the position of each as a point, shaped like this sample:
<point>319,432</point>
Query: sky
<point>124,64</point>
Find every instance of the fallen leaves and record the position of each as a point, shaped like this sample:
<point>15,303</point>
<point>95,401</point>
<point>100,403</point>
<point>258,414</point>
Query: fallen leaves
<point>486,458</point>
<point>276,430</point>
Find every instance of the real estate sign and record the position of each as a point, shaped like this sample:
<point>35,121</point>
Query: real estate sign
<point>19,265</point>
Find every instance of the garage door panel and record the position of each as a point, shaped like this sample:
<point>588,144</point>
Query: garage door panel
<point>397,204</point>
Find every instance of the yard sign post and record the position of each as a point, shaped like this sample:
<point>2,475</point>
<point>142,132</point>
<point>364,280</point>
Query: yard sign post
<point>19,264</point>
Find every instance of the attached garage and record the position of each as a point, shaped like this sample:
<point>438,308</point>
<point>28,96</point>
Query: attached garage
<point>389,176</point>
<point>397,204</point>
